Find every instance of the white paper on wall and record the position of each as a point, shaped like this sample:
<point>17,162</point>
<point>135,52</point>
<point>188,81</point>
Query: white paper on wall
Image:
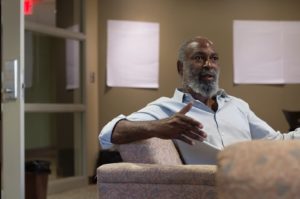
<point>72,62</point>
<point>291,53</point>
<point>265,52</point>
<point>132,54</point>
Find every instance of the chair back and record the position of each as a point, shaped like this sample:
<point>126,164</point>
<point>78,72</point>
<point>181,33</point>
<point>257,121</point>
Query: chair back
<point>150,151</point>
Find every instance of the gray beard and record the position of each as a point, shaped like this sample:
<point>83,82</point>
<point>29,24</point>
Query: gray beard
<point>205,88</point>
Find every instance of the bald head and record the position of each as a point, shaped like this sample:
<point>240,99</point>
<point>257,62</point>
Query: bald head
<point>192,44</point>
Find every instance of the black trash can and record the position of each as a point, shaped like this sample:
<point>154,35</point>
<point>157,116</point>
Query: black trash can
<point>36,179</point>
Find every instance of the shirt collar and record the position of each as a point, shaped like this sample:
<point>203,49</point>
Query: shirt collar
<point>180,96</point>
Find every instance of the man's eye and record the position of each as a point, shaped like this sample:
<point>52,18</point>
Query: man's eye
<point>215,58</point>
<point>199,58</point>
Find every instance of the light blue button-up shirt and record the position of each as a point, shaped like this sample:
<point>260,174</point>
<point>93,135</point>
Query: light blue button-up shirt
<point>232,122</point>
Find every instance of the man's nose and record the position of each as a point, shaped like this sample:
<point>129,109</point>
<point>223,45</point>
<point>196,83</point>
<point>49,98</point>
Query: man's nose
<point>207,63</point>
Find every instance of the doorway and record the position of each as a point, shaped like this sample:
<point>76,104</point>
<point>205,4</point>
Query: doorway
<point>54,89</point>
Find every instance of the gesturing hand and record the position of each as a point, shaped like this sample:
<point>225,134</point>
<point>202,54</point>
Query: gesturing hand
<point>179,126</point>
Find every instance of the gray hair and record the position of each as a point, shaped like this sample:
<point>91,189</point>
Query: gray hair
<point>182,50</point>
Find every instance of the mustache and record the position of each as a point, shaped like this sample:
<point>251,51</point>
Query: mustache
<point>205,71</point>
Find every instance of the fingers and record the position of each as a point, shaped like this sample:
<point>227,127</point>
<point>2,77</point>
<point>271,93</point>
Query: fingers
<point>186,108</point>
<point>191,131</point>
<point>190,128</point>
<point>188,138</point>
<point>185,139</point>
<point>190,121</point>
<point>194,133</point>
<point>200,136</point>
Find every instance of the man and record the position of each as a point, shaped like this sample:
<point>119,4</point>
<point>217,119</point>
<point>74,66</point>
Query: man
<point>198,111</point>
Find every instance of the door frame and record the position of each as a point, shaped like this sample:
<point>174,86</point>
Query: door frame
<point>13,183</point>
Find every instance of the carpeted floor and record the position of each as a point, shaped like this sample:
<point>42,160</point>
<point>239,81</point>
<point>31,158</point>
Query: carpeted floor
<point>88,192</point>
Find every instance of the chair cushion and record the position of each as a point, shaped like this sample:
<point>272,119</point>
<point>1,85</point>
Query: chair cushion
<point>150,151</point>
<point>136,181</point>
<point>157,174</point>
<point>259,169</point>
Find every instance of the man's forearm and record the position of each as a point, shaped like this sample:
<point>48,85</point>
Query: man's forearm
<point>178,126</point>
<point>128,131</point>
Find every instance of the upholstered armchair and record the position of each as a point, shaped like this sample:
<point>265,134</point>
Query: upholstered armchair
<point>260,170</point>
<point>153,169</point>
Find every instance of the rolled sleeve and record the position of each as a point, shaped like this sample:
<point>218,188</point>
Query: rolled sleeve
<point>106,132</point>
<point>296,133</point>
<point>292,134</point>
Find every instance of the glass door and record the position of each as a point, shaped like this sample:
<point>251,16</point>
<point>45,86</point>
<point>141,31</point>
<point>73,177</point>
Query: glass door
<point>54,89</point>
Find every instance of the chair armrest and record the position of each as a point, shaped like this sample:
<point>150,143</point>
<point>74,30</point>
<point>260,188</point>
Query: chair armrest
<point>259,169</point>
<point>157,174</point>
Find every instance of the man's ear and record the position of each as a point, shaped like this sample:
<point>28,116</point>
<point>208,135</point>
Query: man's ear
<point>180,67</point>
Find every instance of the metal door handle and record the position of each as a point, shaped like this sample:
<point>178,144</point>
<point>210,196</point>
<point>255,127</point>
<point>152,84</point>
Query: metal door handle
<point>9,80</point>
<point>7,90</point>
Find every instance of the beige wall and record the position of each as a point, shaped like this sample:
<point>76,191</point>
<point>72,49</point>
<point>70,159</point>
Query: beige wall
<point>182,19</point>
<point>92,105</point>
